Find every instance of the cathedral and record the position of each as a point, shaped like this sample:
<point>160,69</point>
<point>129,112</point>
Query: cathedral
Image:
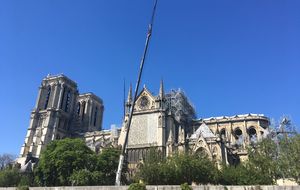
<point>164,121</point>
<point>59,112</point>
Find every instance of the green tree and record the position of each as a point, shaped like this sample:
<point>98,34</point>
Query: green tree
<point>243,174</point>
<point>9,178</point>
<point>289,157</point>
<point>150,170</point>
<point>60,159</point>
<point>107,163</point>
<point>86,177</point>
<point>71,162</point>
<point>196,168</point>
<point>178,169</point>
<point>263,159</point>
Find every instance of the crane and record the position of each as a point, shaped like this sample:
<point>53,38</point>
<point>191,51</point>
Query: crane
<point>123,151</point>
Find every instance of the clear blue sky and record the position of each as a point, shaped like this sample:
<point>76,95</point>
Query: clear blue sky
<point>230,57</point>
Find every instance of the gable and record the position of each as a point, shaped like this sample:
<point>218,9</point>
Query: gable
<point>145,100</point>
<point>203,131</point>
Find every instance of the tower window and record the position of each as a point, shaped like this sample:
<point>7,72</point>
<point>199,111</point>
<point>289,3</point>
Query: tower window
<point>68,101</point>
<point>47,97</point>
<point>223,134</point>
<point>95,116</point>
<point>63,98</point>
<point>252,134</point>
<point>78,109</point>
<point>83,110</point>
<point>238,136</point>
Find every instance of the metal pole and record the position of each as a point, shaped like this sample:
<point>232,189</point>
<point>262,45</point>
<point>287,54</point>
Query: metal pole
<point>123,152</point>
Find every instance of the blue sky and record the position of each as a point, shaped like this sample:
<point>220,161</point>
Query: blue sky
<point>230,57</point>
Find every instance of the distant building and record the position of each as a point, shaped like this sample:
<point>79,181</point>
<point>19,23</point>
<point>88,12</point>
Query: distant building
<point>166,122</point>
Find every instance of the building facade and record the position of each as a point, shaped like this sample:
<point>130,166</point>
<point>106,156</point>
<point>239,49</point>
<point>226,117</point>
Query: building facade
<point>166,122</point>
<point>60,112</point>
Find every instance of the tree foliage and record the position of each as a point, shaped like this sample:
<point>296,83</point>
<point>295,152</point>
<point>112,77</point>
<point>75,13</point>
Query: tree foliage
<point>178,169</point>
<point>263,161</point>
<point>86,177</point>
<point>137,186</point>
<point>60,159</point>
<point>71,162</point>
<point>243,174</point>
<point>5,160</point>
<point>107,163</point>
<point>185,186</point>
<point>9,178</point>
<point>12,177</point>
<point>268,161</point>
<point>289,158</point>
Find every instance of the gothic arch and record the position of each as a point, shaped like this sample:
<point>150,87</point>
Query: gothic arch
<point>252,134</point>
<point>78,108</point>
<point>83,105</point>
<point>47,97</point>
<point>202,147</point>
<point>223,134</point>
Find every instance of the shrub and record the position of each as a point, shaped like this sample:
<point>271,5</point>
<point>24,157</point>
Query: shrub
<point>25,187</point>
<point>137,186</point>
<point>185,186</point>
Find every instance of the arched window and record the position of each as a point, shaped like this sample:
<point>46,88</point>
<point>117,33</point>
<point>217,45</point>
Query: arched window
<point>201,152</point>
<point>223,134</point>
<point>83,110</point>
<point>252,134</point>
<point>238,134</point>
<point>47,97</point>
<point>63,98</point>
<point>136,155</point>
<point>78,108</point>
<point>95,116</point>
<point>68,101</point>
<point>131,156</point>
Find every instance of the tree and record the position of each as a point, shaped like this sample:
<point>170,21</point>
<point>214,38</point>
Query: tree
<point>152,169</point>
<point>178,169</point>
<point>196,168</point>
<point>86,177</point>
<point>263,160</point>
<point>5,160</point>
<point>60,159</point>
<point>289,157</point>
<point>71,162</point>
<point>9,178</point>
<point>243,174</point>
<point>267,162</point>
<point>107,164</point>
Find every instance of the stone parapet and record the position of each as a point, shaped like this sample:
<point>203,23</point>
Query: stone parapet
<point>165,187</point>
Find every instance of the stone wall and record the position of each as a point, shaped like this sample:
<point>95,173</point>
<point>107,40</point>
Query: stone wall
<point>166,188</point>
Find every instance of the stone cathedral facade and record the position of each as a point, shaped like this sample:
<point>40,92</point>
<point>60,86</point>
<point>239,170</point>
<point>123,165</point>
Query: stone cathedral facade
<point>60,112</point>
<point>166,122</point>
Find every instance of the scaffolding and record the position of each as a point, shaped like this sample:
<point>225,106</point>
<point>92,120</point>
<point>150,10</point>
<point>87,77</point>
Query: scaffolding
<point>180,107</point>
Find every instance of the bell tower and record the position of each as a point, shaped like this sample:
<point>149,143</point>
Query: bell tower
<point>52,115</point>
